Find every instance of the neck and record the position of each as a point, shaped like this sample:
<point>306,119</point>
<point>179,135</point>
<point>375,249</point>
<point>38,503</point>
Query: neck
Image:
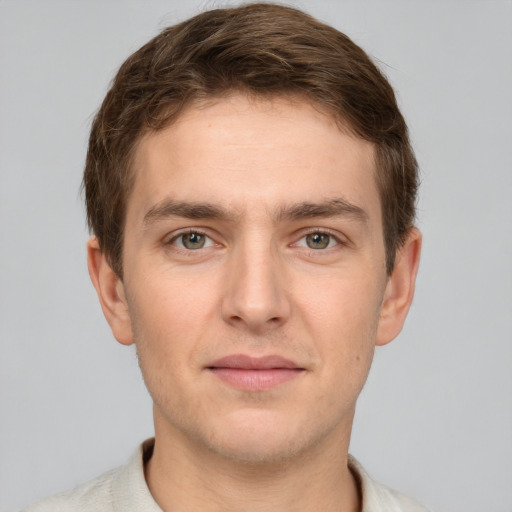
<point>184,476</point>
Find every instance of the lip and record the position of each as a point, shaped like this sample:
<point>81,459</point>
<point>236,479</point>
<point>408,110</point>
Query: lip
<point>255,373</point>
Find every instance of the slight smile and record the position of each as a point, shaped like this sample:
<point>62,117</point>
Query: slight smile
<point>255,373</point>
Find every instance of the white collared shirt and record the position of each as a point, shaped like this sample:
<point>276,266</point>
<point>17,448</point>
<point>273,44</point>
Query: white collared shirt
<point>125,490</point>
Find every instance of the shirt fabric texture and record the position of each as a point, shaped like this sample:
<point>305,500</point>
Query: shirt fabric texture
<point>125,490</point>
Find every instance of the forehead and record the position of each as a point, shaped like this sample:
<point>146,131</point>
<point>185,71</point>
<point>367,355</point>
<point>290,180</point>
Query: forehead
<point>263,152</point>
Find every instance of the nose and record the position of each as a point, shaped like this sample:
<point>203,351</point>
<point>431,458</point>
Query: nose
<point>256,297</point>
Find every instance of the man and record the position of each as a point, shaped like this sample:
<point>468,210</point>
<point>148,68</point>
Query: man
<point>251,188</point>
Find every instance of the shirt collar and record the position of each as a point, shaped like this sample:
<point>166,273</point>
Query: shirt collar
<point>131,493</point>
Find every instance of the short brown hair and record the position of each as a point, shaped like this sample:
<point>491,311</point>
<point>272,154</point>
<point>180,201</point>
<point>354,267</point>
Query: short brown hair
<point>263,49</point>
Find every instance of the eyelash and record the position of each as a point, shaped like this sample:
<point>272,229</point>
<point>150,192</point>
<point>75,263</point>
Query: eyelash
<point>339,242</point>
<point>317,231</point>
<point>190,231</point>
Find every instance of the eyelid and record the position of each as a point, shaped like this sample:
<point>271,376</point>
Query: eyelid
<point>175,235</point>
<point>340,239</point>
<point>299,235</point>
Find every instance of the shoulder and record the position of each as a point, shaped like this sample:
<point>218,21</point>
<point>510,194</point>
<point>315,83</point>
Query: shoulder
<point>379,498</point>
<point>93,496</point>
<point>401,502</point>
<point>120,490</point>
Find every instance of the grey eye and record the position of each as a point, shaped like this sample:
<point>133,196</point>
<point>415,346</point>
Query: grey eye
<point>318,240</point>
<point>193,240</point>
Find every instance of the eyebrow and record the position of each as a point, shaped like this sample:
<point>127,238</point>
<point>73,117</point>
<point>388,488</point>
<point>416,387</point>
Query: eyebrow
<point>204,210</point>
<point>171,208</point>
<point>331,208</point>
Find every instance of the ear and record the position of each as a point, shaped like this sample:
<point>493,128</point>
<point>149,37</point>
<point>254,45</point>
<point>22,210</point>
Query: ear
<point>110,290</point>
<point>399,290</point>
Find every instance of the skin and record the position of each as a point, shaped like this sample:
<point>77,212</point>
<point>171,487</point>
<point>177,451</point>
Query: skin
<point>250,171</point>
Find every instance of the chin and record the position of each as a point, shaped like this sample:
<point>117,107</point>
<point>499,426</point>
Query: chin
<point>257,451</point>
<point>259,440</point>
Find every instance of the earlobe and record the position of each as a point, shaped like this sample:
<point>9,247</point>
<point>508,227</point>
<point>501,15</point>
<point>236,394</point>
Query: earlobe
<point>399,289</point>
<point>111,294</point>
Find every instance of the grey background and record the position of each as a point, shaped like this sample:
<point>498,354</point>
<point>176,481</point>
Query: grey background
<point>435,419</point>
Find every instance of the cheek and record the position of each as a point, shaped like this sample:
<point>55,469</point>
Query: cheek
<point>169,305</point>
<point>166,321</point>
<point>342,305</point>
<point>343,323</point>
<point>162,333</point>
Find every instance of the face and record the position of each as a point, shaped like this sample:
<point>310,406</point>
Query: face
<point>254,281</point>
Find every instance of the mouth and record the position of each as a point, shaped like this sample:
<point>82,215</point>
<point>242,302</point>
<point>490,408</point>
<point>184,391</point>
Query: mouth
<point>255,373</point>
